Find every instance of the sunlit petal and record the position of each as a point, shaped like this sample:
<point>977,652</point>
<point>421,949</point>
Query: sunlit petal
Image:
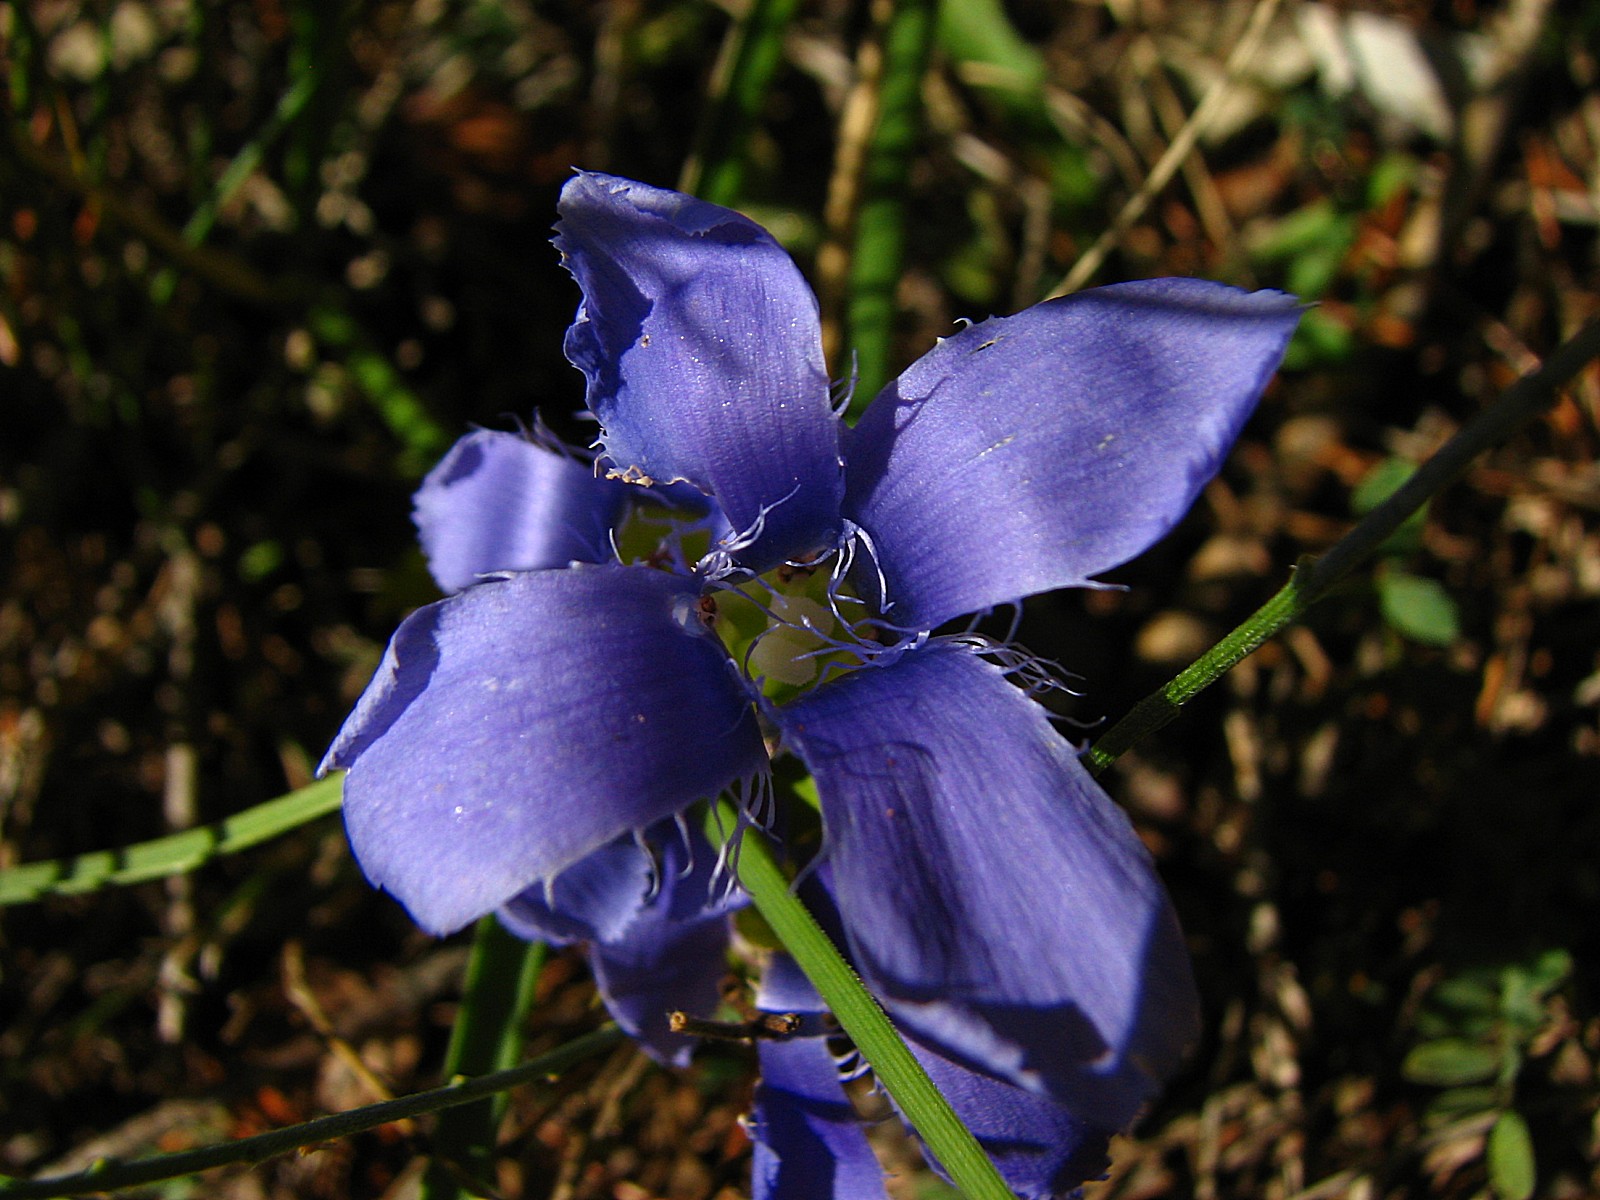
<point>991,893</point>
<point>703,352</point>
<point>1034,452</point>
<point>521,725</point>
<point>499,502</point>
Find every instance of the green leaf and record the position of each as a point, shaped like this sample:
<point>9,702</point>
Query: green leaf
<point>1418,608</point>
<point>1467,994</point>
<point>1511,1167</point>
<point>1308,228</point>
<point>487,1036</point>
<point>978,35</point>
<point>1440,1023</point>
<point>1525,988</point>
<point>1550,969</point>
<point>1313,241</point>
<point>1320,339</point>
<point>1377,486</point>
<point>1457,1103</point>
<point>1447,1062</point>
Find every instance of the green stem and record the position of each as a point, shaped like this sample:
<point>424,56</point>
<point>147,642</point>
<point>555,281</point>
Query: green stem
<point>109,1175</point>
<point>422,438</point>
<point>879,254</point>
<point>23,59</point>
<point>174,855</point>
<point>501,977</point>
<point>244,163</point>
<point>860,1015</point>
<point>750,57</point>
<point>1315,578</point>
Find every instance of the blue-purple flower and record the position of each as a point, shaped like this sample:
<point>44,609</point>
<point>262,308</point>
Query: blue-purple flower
<point>527,743</point>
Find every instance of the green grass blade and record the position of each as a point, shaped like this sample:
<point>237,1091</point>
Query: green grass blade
<point>879,255</point>
<point>243,164</point>
<point>110,1175</point>
<point>421,437</point>
<point>23,59</point>
<point>860,1015</point>
<point>174,855</point>
<point>750,57</point>
<point>487,1036</point>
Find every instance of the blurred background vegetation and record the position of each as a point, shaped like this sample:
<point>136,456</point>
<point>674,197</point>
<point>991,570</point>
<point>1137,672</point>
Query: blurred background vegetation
<point>261,262</point>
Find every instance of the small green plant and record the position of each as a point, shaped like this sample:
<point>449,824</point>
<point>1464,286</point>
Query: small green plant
<point>1479,1028</point>
<point>1414,606</point>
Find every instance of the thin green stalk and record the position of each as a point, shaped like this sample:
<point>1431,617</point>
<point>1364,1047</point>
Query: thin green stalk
<point>880,235</point>
<point>750,56</point>
<point>198,227</point>
<point>174,855</point>
<point>421,437</point>
<point>228,273</point>
<point>860,1015</point>
<point>318,51</point>
<point>487,1036</point>
<point>290,105</point>
<point>1315,578</point>
<point>23,59</point>
<point>110,1175</point>
<point>979,37</point>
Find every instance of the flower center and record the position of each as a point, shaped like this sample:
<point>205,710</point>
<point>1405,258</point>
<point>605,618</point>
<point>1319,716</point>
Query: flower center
<point>785,629</point>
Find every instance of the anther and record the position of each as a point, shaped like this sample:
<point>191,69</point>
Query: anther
<point>762,1026</point>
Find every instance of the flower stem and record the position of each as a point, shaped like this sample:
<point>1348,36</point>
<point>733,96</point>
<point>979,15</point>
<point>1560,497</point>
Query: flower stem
<point>1315,578</point>
<point>174,855</point>
<point>109,1175</point>
<point>860,1015</point>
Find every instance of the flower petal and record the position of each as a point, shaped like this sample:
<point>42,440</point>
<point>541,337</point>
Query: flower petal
<point>1033,452</point>
<point>703,352</point>
<point>993,896</point>
<point>519,726</point>
<point>680,966</point>
<point>784,987</point>
<point>809,1142</point>
<point>595,899</point>
<point>657,924</point>
<point>499,502</point>
<point>1040,1148</point>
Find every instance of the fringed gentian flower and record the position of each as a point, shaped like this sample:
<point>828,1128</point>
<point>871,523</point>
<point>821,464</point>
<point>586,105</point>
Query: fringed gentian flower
<point>527,743</point>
